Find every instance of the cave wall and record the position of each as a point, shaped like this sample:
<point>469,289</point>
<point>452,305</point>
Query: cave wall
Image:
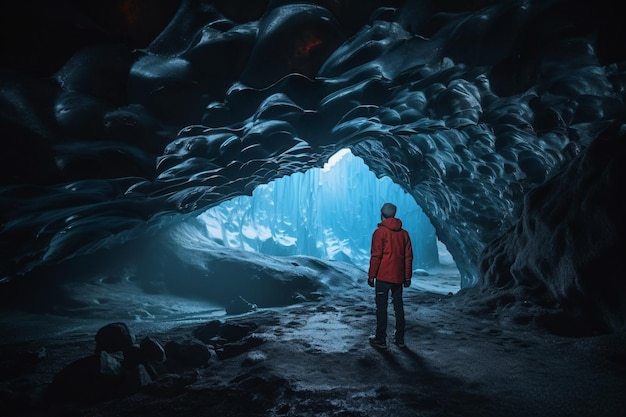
<point>563,254</point>
<point>468,106</point>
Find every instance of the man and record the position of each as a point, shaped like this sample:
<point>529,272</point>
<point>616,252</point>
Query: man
<point>391,269</point>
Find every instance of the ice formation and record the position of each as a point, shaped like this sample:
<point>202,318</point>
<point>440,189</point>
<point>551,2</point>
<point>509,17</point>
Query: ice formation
<point>328,212</point>
<point>502,120</point>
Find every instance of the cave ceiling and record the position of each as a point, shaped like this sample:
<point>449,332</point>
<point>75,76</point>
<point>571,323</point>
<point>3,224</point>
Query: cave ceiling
<point>136,119</point>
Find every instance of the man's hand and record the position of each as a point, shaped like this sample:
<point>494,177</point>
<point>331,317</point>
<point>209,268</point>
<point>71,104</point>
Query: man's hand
<point>407,283</point>
<point>370,282</point>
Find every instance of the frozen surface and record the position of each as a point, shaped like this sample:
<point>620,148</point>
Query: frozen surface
<point>466,106</point>
<point>310,358</point>
<point>328,212</point>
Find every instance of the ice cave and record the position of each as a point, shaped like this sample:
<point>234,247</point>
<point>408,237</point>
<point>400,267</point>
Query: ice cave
<point>324,212</point>
<point>191,187</point>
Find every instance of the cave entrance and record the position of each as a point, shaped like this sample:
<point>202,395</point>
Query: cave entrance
<point>330,213</point>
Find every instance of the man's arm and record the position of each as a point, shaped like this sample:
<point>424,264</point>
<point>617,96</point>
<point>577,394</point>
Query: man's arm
<point>376,255</point>
<point>408,261</point>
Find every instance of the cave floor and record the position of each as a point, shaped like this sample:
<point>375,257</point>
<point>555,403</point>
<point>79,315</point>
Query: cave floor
<point>315,360</point>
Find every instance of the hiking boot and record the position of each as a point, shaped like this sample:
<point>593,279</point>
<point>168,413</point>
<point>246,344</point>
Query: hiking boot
<point>377,343</point>
<point>400,344</point>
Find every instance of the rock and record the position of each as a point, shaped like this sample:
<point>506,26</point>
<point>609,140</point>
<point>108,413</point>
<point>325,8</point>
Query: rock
<point>230,350</point>
<point>189,353</point>
<point>114,337</point>
<point>208,331</point>
<point>134,380</point>
<point>234,332</point>
<point>89,379</point>
<point>152,350</point>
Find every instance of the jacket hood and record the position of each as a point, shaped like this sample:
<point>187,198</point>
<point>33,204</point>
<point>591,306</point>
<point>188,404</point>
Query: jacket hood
<point>391,223</point>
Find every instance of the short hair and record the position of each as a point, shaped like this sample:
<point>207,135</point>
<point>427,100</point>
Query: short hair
<point>388,210</point>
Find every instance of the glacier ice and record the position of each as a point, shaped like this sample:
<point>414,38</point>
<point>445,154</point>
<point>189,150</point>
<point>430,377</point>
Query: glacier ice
<point>329,213</point>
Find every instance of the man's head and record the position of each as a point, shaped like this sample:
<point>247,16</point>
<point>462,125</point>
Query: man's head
<point>388,210</point>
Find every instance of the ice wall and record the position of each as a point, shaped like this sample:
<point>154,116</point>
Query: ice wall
<point>329,213</point>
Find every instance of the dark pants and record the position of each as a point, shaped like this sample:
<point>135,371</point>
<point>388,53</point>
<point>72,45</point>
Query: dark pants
<point>382,297</point>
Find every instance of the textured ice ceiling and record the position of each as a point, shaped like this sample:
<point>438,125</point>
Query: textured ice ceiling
<point>117,121</point>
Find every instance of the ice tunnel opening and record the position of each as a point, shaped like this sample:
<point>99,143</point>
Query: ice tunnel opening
<point>330,213</point>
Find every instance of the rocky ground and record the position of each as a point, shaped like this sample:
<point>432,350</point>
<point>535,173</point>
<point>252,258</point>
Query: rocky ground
<point>313,359</point>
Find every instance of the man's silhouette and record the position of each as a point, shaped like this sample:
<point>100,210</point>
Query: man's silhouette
<point>391,268</point>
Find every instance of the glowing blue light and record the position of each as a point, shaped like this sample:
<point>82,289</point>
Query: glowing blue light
<point>329,213</point>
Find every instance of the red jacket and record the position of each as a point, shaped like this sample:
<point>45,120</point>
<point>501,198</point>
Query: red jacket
<point>392,254</point>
